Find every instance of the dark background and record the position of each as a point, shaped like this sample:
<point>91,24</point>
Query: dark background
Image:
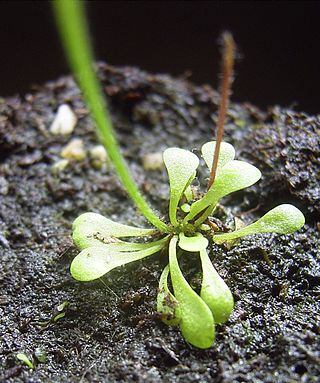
<point>279,43</point>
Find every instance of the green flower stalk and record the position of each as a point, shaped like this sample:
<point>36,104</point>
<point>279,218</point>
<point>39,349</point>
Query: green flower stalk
<point>72,25</point>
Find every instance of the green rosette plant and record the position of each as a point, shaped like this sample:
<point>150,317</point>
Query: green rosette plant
<point>102,250</point>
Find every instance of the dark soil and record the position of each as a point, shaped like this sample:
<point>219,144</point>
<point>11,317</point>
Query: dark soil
<point>110,332</point>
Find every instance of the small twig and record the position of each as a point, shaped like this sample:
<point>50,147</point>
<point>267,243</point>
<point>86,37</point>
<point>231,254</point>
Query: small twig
<point>227,74</point>
<point>254,209</point>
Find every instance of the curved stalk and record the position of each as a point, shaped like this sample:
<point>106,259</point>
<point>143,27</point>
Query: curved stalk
<point>72,25</point>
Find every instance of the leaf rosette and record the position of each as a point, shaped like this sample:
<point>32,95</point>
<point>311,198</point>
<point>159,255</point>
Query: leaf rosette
<point>104,243</point>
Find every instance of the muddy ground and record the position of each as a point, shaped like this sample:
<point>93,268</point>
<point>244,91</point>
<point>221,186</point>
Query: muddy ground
<point>108,330</point>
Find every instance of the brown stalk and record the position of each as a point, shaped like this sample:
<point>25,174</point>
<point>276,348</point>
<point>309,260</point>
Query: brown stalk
<point>227,76</point>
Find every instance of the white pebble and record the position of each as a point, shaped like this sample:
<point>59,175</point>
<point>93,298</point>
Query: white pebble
<point>64,122</point>
<point>74,150</point>
<point>152,161</point>
<point>99,156</point>
<point>60,165</point>
<point>99,153</point>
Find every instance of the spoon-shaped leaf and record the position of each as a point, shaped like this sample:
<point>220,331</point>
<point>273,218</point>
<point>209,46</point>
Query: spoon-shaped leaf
<point>181,166</point>
<point>227,153</point>
<point>91,229</point>
<point>234,176</point>
<point>283,219</point>
<point>195,243</point>
<point>93,262</point>
<point>214,291</point>
<point>166,301</point>
<point>197,323</point>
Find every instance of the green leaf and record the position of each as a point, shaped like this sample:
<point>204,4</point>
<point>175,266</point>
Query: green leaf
<point>214,291</point>
<point>166,301</point>
<point>181,166</point>
<point>25,360</point>
<point>283,219</point>
<point>188,193</point>
<point>185,208</point>
<point>227,153</point>
<point>195,243</point>
<point>93,262</point>
<point>234,176</point>
<point>91,229</point>
<point>197,323</point>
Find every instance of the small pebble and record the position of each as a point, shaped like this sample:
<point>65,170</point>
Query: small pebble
<point>152,161</point>
<point>64,122</point>
<point>4,186</point>
<point>74,150</point>
<point>40,355</point>
<point>60,165</point>
<point>238,223</point>
<point>4,242</point>
<point>99,156</point>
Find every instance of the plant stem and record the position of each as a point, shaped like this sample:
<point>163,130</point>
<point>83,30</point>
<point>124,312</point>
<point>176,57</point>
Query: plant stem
<point>227,73</point>
<point>72,25</point>
<point>204,215</point>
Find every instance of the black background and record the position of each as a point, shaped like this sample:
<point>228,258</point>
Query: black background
<point>279,43</point>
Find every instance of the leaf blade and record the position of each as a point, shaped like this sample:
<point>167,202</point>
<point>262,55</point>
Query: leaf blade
<point>193,244</point>
<point>283,219</point>
<point>92,229</point>
<point>181,166</point>
<point>94,262</point>
<point>234,176</point>
<point>227,153</point>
